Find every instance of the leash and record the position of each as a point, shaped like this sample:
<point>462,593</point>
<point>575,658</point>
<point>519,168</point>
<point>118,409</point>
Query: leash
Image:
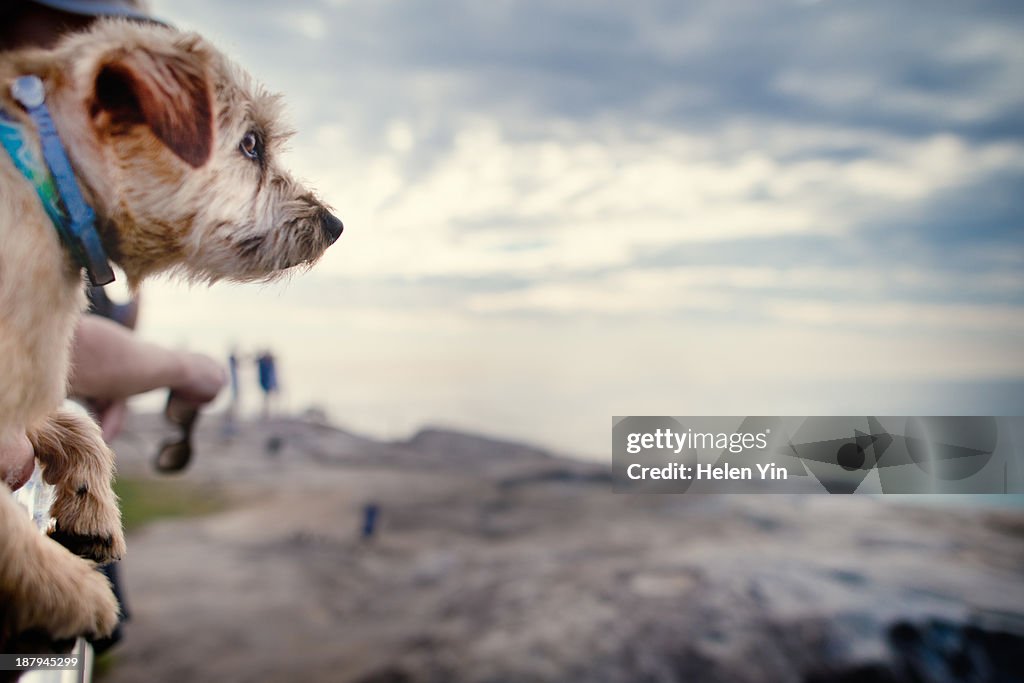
<point>54,181</point>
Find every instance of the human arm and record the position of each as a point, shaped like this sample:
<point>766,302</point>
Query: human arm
<point>109,364</point>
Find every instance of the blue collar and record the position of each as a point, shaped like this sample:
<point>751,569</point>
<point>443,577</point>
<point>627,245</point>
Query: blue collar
<point>54,182</point>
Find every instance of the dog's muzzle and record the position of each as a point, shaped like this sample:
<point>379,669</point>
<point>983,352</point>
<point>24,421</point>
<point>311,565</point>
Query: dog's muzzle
<point>331,225</point>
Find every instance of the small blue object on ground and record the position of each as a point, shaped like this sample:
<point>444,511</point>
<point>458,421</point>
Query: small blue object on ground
<point>370,513</point>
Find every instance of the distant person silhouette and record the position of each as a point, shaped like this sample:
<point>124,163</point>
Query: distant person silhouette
<point>230,425</point>
<point>267,368</point>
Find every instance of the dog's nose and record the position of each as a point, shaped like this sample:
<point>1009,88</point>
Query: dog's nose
<point>331,224</point>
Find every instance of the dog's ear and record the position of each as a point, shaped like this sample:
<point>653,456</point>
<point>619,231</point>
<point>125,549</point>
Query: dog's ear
<point>169,93</point>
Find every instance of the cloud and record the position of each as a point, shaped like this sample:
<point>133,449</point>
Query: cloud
<point>554,207</point>
<point>824,188</point>
<point>307,24</point>
<point>865,63</point>
<point>560,144</point>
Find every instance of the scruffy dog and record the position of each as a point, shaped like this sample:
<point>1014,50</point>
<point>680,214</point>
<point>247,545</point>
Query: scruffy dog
<point>174,148</point>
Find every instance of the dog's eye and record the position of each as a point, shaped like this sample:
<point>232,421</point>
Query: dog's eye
<point>250,146</point>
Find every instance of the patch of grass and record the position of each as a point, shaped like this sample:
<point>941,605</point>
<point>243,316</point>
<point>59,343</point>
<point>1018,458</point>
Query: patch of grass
<point>103,665</point>
<point>146,500</point>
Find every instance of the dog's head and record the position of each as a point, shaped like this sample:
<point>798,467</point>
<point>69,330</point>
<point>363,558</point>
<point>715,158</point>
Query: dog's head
<point>179,151</point>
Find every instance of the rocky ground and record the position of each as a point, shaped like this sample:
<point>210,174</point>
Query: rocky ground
<point>496,562</point>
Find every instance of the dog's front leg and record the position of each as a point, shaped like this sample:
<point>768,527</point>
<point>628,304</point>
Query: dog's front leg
<point>44,588</point>
<point>77,461</point>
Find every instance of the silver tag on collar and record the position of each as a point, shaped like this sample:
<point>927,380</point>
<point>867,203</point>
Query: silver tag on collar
<point>28,91</point>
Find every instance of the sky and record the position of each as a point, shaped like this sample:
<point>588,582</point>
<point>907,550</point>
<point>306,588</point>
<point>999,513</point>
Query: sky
<point>560,212</point>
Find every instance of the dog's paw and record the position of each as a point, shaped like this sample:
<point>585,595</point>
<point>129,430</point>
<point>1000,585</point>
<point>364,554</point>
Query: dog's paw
<point>92,611</point>
<point>80,466</point>
<point>88,522</point>
<point>76,601</point>
<point>102,548</point>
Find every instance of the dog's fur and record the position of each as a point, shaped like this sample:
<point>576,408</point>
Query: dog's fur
<point>152,120</point>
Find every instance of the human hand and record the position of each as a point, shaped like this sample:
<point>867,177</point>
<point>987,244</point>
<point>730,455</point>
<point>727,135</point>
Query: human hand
<point>111,414</point>
<point>17,460</point>
<point>201,378</point>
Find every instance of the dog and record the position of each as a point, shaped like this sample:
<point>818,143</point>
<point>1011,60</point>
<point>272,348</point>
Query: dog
<point>176,150</point>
